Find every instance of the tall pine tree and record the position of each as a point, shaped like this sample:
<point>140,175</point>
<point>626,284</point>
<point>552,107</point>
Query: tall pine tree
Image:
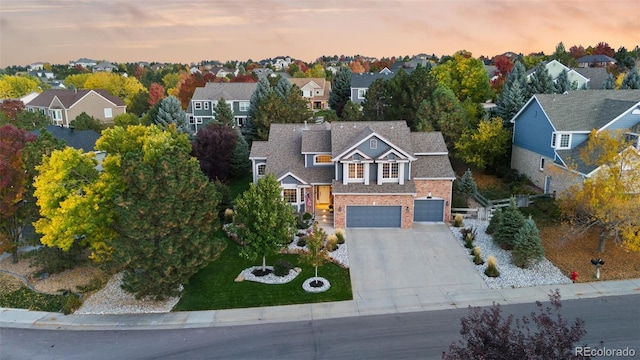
<point>262,91</point>
<point>540,81</point>
<point>223,113</point>
<point>340,90</point>
<point>170,112</point>
<point>513,95</point>
<point>562,84</point>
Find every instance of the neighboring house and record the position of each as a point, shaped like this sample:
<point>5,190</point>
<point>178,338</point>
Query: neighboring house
<point>223,72</point>
<point>104,66</point>
<point>43,75</point>
<point>204,100</point>
<point>281,62</point>
<point>554,68</point>
<point>595,61</point>
<point>36,66</point>
<point>360,84</point>
<point>370,173</point>
<point>63,106</point>
<point>315,90</point>
<point>263,72</point>
<point>84,62</point>
<point>84,140</point>
<point>596,75</point>
<point>550,130</point>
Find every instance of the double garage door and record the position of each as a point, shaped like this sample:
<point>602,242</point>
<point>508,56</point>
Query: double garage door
<point>374,216</point>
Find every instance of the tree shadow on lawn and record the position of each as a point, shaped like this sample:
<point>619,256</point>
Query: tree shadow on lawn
<point>213,287</point>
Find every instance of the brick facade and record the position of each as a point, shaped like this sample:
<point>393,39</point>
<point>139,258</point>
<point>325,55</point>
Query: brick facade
<point>340,203</point>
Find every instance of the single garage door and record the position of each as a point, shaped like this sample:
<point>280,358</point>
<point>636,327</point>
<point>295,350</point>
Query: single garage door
<point>428,210</point>
<point>374,216</point>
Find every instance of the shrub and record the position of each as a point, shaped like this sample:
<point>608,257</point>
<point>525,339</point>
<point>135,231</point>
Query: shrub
<point>458,220</point>
<point>467,185</point>
<point>477,256</point>
<point>494,223</point>
<point>54,260</point>
<point>512,220</point>
<point>492,267</point>
<point>527,246</point>
<point>332,242</point>
<point>301,224</point>
<point>340,235</point>
<point>282,267</point>
<point>72,304</point>
<point>487,334</point>
<point>302,242</point>
<point>228,215</point>
<point>306,216</point>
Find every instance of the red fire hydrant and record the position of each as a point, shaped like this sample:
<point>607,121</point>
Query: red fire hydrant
<point>574,276</point>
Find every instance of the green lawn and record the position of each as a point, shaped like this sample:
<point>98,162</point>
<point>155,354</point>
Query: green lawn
<point>240,185</point>
<point>213,288</point>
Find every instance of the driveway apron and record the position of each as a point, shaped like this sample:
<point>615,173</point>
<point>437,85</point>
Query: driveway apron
<point>406,268</point>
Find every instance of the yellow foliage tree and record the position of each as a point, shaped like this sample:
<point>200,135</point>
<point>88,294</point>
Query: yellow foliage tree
<point>115,84</point>
<point>13,86</point>
<point>609,198</point>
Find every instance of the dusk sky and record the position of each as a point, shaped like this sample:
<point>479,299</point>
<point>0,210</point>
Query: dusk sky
<point>190,31</point>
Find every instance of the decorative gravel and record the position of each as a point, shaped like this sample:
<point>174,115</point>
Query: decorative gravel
<point>340,256</point>
<point>271,278</point>
<point>112,299</point>
<point>306,285</point>
<point>511,276</point>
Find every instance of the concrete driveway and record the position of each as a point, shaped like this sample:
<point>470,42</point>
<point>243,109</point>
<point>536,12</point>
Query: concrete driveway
<point>409,268</point>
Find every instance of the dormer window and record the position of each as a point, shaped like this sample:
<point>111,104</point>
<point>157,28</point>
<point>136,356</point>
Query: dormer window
<point>197,105</point>
<point>356,171</point>
<point>322,159</point>
<point>561,140</point>
<point>373,144</point>
<point>390,170</point>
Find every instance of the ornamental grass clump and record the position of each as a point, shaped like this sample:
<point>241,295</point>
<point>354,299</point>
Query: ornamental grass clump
<point>332,243</point>
<point>458,220</point>
<point>492,267</point>
<point>340,235</point>
<point>477,256</point>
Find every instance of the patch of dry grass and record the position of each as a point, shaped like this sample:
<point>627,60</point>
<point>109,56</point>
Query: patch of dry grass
<point>570,252</point>
<point>9,284</point>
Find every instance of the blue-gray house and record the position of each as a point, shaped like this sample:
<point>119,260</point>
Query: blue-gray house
<point>551,129</point>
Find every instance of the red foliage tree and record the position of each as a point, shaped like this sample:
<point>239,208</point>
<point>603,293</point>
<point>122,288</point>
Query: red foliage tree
<point>189,85</point>
<point>603,49</point>
<point>243,79</point>
<point>156,93</point>
<point>140,72</point>
<point>10,108</point>
<point>303,67</point>
<point>577,52</point>
<point>503,64</point>
<point>213,147</point>
<point>356,67</point>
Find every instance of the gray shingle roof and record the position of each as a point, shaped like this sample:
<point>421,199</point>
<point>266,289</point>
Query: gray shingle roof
<point>365,80</point>
<point>316,141</point>
<point>229,91</point>
<point>596,75</point>
<point>345,134</point>
<point>428,142</point>
<point>70,97</point>
<point>432,166</point>
<point>587,109</point>
<point>596,58</point>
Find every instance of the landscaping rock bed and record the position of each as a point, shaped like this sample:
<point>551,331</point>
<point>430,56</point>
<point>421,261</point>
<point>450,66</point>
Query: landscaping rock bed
<point>511,276</point>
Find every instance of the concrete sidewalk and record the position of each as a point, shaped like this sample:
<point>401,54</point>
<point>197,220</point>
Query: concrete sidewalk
<point>17,318</point>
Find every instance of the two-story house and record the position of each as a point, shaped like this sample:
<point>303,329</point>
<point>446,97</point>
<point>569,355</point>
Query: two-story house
<point>63,106</point>
<point>369,173</point>
<point>360,84</point>
<point>579,78</point>
<point>314,90</point>
<point>200,110</point>
<point>551,129</point>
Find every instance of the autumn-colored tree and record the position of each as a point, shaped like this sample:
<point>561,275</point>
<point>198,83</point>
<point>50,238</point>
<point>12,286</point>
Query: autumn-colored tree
<point>485,146</point>
<point>123,87</point>
<point>316,253</point>
<point>356,67</point>
<point>213,147</point>
<point>608,199</point>
<point>317,71</point>
<point>577,52</point>
<point>466,77</point>
<point>156,93</point>
<point>187,86</point>
<point>14,86</point>
<point>603,48</point>
<point>9,109</point>
<point>247,78</point>
<point>13,180</point>
<point>503,65</point>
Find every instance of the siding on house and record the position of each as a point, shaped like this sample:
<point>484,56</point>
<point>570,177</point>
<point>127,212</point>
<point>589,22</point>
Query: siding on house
<point>536,131</point>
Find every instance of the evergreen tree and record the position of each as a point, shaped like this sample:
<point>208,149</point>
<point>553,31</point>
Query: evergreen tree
<point>609,83</point>
<point>167,215</point>
<point>86,122</point>
<point>442,111</point>
<point>375,101</point>
<point>351,112</point>
<point>513,95</point>
<point>494,223</point>
<point>340,91</point>
<point>631,80</point>
<point>282,88</point>
<point>239,163</point>
<point>170,112</point>
<point>527,246</point>
<point>223,113</point>
<point>512,221</point>
<point>467,185</point>
<point>263,89</point>
<point>562,84</point>
<point>541,82</point>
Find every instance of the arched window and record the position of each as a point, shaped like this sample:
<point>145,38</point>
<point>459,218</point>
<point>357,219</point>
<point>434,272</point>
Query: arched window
<point>373,144</point>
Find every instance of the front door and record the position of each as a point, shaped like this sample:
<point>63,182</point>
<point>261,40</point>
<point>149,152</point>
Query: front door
<point>323,194</point>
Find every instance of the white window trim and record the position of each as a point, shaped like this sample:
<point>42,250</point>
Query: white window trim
<point>556,140</point>
<point>244,106</point>
<point>542,163</point>
<point>373,144</point>
<point>315,160</point>
<point>206,105</point>
<point>108,113</point>
<point>262,166</point>
<point>362,93</point>
<point>197,105</point>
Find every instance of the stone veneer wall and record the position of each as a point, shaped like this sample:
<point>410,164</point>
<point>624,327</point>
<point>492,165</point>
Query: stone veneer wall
<point>528,163</point>
<point>439,189</point>
<point>340,203</point>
